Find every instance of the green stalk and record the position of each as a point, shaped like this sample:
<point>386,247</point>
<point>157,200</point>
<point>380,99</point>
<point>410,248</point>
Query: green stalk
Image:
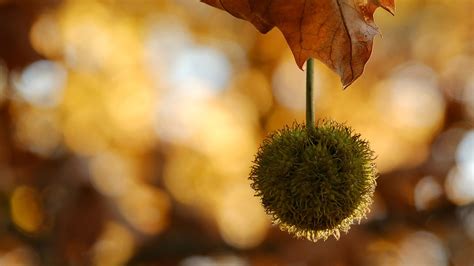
<point>309,94</point>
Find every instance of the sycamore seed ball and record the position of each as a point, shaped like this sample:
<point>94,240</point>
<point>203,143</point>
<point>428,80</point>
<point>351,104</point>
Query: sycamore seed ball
<point>315,183</point>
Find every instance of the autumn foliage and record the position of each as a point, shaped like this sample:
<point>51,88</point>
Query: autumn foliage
<point>340,33</point>
<point>127,131</point>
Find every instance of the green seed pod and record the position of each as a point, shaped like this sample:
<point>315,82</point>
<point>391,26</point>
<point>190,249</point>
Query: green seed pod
<point>315,183</point>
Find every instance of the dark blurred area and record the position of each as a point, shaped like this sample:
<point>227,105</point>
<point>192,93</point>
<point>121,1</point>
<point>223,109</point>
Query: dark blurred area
<point>127,130</point>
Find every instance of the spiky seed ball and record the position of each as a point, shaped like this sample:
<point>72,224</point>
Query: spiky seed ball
<point>315,183</point>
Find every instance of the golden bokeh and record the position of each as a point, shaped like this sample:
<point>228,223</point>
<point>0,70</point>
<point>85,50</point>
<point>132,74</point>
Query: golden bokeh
<point>154,110</point>
<point>26,209</point>
<point>115,245</point>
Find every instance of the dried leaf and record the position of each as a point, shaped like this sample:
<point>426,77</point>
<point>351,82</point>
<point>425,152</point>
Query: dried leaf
<point>340,33</point>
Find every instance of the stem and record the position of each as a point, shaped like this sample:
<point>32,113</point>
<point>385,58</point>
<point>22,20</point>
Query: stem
<point>309,94</point>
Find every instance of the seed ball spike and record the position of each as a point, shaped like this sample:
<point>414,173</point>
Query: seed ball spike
<point>315,183</point>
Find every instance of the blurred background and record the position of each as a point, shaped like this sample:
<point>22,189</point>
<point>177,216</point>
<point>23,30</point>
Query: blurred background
<point>127,129</point>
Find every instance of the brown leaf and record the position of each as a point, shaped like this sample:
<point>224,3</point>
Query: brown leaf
<point>337,32</point>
